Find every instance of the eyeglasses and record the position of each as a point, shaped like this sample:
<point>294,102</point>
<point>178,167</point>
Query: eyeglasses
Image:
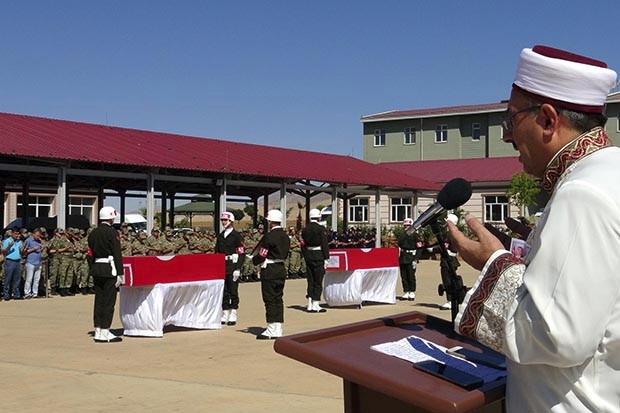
<point>507,124</point>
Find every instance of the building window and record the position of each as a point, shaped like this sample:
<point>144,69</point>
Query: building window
<point>495,208</point>
<point>410,137</point>
<point>441,133</point>
<point>358,210</point>
<point>81,206</point>
<point>400,209</point>
<point>379,137</point>
<point>38,206</point>
<point>475,131</point>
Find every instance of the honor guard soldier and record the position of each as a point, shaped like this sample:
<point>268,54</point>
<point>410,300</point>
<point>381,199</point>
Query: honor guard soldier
<point>230,243</point>
<point>316,253</point>
<point>272,251</point>
<point>409,252</point>
<point>106,267</point>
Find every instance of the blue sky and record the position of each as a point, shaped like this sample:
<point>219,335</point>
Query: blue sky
<point>281,73</point>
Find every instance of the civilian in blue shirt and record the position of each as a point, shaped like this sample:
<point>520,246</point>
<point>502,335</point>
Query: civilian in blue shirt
<point>12,250</point>
<point>32,249</point>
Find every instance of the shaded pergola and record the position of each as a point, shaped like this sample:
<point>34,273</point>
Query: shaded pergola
<point>199,206</point>
<point>72,158</point>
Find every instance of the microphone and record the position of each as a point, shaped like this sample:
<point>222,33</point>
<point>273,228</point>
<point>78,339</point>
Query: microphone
<point>454,194</point>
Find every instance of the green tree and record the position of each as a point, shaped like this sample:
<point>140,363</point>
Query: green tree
<point>523,190</point>
<point>237,213</point>
<point>250,210</point>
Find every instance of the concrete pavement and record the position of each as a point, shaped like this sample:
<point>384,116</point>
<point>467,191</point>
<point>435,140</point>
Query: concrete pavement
<point>50,362</point>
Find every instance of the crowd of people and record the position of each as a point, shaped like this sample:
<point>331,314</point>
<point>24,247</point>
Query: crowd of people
<point>58,265</point>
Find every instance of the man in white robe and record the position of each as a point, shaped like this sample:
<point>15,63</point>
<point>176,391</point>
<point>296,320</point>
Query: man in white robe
<point>555,314</point>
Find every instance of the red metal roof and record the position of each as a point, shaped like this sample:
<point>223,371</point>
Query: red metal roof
<point>449,110</point>
<point>30,136</point>
<point>473,170</point>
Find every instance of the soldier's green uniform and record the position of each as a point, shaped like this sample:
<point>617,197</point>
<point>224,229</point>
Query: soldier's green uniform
<point>84,280</point>
<point>138,246</point>
<point>207,244</point>
<point>250,271</point>
<point>54,259</point>
<point>294,259</point>
<point>153,243</point>
<point>168,246</point>
<point>126,242</point>
<point>185,246</point>
<point>44,260</point>
<point>65,267</point>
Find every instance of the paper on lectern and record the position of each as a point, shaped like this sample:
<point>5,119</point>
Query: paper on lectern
<point>415,349</point>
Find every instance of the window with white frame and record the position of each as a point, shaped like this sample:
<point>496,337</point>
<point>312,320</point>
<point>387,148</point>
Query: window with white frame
<point>495,208</point>
<point>410,137</point>
<point>358,210</point>
<point>441,133</point>
<point>38,206</point>
<point>475,131</point>
<point>379,137</point>
<point>81,206</point>
<point>400,209</point>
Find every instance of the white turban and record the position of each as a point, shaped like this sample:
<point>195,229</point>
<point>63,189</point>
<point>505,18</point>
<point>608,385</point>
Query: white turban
<point>565,79</point>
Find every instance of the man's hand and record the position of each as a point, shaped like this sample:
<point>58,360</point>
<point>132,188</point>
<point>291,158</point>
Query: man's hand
<point>475,253</point>
<point>236,274</point>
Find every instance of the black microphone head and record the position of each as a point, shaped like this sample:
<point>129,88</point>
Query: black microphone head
<point>454,194</point>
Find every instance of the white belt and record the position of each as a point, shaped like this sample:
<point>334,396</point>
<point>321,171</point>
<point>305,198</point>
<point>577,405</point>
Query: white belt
<point>233,257</point>
<point>268,261</point>
<point>410,251</point>
<point>109,260</point>
<point>314,248</point>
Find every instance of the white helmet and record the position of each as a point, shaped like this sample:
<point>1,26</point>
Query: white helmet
<point>408,222</point>
<point>227,215</point>
<point>274,216</point>
<point>106,213</point>
<point>315,213</point>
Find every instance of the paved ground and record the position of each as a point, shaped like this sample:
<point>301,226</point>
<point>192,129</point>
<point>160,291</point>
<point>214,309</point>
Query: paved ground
<point>49,361</point>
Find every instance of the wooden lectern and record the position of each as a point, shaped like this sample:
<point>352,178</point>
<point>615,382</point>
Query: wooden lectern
<point>376,382</point>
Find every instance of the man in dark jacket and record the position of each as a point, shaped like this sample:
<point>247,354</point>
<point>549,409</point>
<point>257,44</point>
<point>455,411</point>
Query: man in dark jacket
<point>315,248</point>
<point>408,257</point>
<point>106,268</point>
<point>230,243</point>
<point>272,251</point>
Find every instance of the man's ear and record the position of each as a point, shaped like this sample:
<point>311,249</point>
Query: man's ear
<point>548,118</point>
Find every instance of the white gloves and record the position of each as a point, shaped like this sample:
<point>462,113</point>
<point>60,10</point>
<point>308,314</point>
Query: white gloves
<point>120,279</point>
<point>414,265</point>
<point>326,264</point>
<point>235,258</point>
<point>236,274</point>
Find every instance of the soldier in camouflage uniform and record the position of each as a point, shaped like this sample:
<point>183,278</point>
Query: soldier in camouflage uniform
<point>44,261</point>
<point>153,243</point>
<point>84,281</point>
<point>249,270</point>
<point>54,260</point>
<point>295,259</point>
<point>186,237</point>
<point>168,244</point>
<point>138,246</point>
<point>126,240</point>
<point>65,267</point>
<point>207,243</point>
